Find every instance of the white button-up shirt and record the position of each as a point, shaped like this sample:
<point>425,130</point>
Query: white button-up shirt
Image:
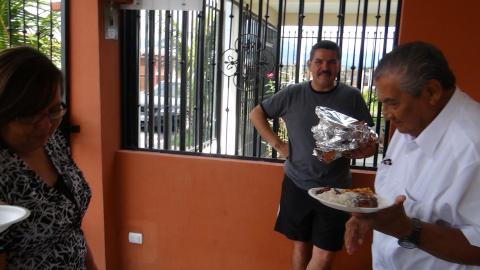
<point>439,172</point>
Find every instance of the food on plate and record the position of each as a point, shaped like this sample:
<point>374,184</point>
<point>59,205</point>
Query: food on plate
<point>357,197</point>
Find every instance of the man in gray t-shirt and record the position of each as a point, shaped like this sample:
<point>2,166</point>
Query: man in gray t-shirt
<point>317,231</point>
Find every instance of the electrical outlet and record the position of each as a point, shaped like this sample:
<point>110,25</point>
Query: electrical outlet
<point>135,238</point>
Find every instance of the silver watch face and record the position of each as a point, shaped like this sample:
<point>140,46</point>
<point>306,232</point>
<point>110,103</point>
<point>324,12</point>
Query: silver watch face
<point>413,239</point>
<point>406,243</point>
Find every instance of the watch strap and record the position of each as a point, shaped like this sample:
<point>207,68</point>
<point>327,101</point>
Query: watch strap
<point>413,239</point>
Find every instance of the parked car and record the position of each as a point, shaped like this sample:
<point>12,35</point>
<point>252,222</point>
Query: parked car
<point>173,107</point>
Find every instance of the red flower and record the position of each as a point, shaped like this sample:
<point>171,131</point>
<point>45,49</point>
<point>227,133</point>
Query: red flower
<point>269,75</point>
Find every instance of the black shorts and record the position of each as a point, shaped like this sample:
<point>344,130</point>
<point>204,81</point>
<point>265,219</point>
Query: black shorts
<point>302,218</point>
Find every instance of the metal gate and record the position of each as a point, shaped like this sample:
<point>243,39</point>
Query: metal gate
<point>192,77</point>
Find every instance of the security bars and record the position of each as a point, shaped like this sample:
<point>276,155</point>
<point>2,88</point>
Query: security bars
<point>191,78</point>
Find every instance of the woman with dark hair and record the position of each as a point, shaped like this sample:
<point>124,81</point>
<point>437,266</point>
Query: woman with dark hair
<point>36,168</point>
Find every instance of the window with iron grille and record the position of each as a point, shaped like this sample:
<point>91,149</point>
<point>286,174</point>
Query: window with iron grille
<point>35,23</point>
<point>192,77</point>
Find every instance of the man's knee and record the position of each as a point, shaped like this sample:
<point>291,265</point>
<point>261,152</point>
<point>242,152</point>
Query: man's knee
<point>322,254</point>
<point>302,247</point>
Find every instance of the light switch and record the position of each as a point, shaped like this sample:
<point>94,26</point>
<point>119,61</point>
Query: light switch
<point>135,238</point>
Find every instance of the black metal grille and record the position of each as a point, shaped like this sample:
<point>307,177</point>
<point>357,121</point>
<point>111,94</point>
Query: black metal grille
<point>199,73</point>
<point>35,23</point>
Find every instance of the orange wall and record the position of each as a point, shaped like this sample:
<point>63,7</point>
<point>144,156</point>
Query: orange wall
<point>85,110</point>
<point>198,213</point>
<point>95,107</point>
<point>204,213</point>
<point>453,26</point>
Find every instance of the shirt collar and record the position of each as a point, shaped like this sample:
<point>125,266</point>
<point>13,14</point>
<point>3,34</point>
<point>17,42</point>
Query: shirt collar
<point>430,137</point>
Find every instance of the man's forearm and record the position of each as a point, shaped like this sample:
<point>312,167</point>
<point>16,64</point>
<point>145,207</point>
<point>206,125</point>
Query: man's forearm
<point>448,244</point>
<point>442,242</point>
<point>259,120</point>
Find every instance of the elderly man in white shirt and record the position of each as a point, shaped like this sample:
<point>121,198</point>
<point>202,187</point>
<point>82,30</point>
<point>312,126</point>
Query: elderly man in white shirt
<point>431,168</point>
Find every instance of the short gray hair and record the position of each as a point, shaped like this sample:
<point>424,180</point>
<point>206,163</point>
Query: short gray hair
<point>416,63</point>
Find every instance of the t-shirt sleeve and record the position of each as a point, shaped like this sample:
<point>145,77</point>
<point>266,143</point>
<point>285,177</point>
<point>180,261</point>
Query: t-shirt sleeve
<point>277,105</point>
<point>362,110</point>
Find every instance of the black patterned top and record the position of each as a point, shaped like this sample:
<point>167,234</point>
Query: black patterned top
<point>51,237</point>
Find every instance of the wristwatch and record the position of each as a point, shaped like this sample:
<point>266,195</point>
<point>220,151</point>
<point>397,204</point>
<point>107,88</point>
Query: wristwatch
<point>413,239</point>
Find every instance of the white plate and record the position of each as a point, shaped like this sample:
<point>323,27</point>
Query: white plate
<point>382,203</point>
<point>10,214</point>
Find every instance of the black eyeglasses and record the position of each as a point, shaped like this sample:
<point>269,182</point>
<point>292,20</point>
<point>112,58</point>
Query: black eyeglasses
<point>54,114</point>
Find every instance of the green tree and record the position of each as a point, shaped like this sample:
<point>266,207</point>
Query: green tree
<point>33,23</point>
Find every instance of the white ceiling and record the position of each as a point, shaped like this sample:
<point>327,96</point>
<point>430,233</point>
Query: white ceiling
<point>332,6</point>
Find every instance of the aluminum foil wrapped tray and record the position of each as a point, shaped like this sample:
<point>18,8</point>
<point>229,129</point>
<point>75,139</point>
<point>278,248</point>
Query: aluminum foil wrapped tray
<point>337,133</point>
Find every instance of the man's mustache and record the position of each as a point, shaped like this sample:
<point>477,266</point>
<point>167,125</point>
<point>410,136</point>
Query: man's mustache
<point>324,72</point>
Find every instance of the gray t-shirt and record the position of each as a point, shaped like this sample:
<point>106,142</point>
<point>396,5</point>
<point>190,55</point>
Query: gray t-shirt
<point>296,106</point>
